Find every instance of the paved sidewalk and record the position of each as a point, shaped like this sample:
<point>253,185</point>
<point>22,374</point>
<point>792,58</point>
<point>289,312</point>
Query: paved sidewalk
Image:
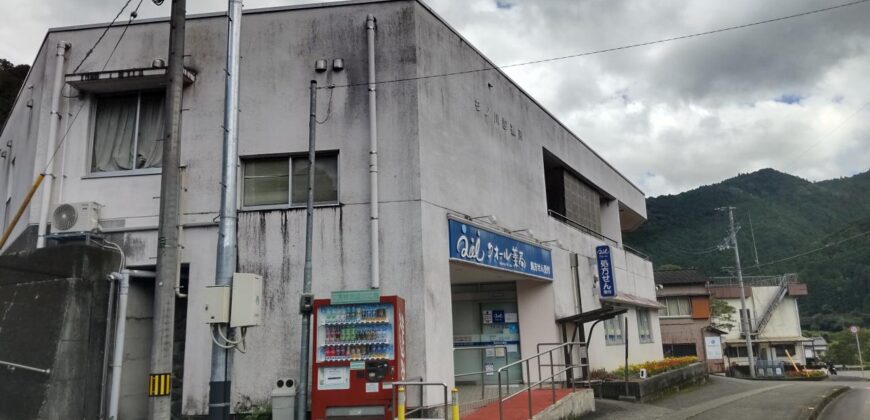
<point>727,398</point>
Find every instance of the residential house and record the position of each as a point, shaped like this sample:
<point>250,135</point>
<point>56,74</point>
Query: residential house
<point>685,317</point>
<point>774,318</point>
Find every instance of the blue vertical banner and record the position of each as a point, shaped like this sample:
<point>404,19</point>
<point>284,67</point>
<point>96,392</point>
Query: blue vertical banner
<point>606,282</point>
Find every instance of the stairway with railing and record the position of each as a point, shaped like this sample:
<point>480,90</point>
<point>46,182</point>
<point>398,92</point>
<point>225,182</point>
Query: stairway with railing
<point>778,297</point>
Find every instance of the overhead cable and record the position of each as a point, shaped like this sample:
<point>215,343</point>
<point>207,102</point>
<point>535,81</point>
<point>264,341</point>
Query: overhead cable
<point>606,50</point>
<point>109,26</point>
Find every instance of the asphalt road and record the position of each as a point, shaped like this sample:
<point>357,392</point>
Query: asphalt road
<point>852,405</point>
<point>727,398</point>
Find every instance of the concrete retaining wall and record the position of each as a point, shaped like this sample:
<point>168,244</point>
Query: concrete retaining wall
<point>574,405</point>
<point>53,306</point>
<point>657,386</point>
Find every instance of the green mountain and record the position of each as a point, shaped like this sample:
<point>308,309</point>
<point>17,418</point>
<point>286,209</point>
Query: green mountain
<point>11,78</point>
<point>788,216</point>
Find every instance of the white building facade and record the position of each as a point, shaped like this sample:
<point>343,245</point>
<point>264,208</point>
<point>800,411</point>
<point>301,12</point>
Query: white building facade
<point>471,148</point>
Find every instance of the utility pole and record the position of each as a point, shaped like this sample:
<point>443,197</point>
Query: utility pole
<point>744,318</point>
<point>306,298</point>
<point>159,403</point>
<point>221,358</point>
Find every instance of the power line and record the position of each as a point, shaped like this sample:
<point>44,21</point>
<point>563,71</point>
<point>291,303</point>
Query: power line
<point>133,15</point>
<point>821,248</point>
<point>606,50</point>
<point>60,142</point>
<point>798,156</point>
<point>109,26</point>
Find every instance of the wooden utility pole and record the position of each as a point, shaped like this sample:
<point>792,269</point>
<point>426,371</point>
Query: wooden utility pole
<point>168,249</point>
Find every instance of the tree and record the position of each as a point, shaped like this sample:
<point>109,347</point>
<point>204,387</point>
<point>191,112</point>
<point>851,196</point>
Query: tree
<point>11,78</point>
<point>842,348</point>
<point>722,314</point>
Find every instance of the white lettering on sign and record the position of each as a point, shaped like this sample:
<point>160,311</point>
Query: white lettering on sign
<point>469,248</point>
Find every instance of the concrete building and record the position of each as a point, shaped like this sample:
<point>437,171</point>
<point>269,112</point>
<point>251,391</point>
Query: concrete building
<point>774,318</point>
<point>471,151</point>
<point>686,319</point>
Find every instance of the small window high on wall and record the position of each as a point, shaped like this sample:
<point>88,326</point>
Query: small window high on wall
<point>283,181</point>
<point>128,132</point>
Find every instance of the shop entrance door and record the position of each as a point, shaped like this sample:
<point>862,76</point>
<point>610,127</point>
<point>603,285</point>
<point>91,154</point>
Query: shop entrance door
<point>486,333</point>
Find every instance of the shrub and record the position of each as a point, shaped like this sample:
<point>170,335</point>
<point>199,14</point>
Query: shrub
<point>603,375</point>
<point>655,367</point>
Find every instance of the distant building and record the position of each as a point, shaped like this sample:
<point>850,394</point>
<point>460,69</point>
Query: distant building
<point>774,318</point>
<point>685,317</point>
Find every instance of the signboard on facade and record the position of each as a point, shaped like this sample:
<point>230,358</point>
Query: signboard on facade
<point>606,282</point>
<point>713,347</point>
<point>479,246</point>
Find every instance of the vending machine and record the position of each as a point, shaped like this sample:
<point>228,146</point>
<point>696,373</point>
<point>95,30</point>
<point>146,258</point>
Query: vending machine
<point>360,352</point>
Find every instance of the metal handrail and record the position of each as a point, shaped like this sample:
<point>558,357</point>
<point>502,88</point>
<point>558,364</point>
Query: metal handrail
<point>482,359</point>
<point>395,386</point>
<point>13,366</point>
<point>541,381</point>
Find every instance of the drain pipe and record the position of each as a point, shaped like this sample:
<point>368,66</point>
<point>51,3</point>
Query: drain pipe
<point>123,279</point>
<point>373,155</point>
<point>60,60</point>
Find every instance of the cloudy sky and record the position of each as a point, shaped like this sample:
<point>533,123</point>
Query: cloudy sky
<point>793,95</point>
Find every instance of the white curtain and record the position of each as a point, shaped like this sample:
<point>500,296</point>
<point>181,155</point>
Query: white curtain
<point>115,127</point>
<point>149,148</point>
<point>113,133</point>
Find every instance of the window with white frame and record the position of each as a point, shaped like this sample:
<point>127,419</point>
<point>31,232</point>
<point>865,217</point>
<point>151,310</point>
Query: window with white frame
<point>644,329</point>
<point>128,132</point>
<point>613,333</point>
<point>675,306</point>
<point>283,181</point>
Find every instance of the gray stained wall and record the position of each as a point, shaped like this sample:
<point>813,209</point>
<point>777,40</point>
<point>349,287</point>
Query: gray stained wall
<point>440,150</point>
<point>53,316</point>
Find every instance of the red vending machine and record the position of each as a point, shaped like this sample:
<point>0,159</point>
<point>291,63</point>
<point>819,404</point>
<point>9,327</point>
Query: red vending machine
<point>360,352</point>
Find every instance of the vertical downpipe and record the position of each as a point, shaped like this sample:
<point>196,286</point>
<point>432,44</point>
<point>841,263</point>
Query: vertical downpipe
<point>118,353</point>
<point>373,155</point>
<point>221,360</point>
<point>60,60</point>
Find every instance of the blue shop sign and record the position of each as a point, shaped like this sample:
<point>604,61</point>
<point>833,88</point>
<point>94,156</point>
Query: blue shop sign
<point>606,282</point>
<point>475,245</point>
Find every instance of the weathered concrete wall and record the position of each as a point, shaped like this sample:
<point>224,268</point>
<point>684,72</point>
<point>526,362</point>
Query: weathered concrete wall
<point>53,306</point>
<point>574,405</point>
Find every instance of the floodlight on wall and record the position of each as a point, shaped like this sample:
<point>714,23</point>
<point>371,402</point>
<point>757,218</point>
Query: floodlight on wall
<point>490,218</point>
<point>320,65</point>
<point>528,232</point>
<point>337,64</point>
<point>557,243</point>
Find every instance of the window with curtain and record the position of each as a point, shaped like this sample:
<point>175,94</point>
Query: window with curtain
<point>675,306</point>
<point>644,328</point>
<point>128,132</point>
<point>613,333</point>
<point>283,181</point>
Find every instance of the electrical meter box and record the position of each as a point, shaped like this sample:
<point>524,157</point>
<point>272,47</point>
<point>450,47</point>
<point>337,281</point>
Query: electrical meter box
<point>217,304</point>
<point>247,308</point>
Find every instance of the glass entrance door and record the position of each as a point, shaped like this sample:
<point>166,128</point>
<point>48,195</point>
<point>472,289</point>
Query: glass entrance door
<point>486,334</point>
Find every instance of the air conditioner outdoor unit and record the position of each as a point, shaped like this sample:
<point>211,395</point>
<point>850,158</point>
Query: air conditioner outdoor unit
<point>76,217</point>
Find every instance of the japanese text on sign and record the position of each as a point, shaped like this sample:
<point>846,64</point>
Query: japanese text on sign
<point>606,283</point>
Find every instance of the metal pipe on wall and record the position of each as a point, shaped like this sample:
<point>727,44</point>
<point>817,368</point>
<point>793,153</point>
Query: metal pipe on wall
<point>60,60</point>
<point>221,358</point>
<point>120,331</point>
<point>371,24</point>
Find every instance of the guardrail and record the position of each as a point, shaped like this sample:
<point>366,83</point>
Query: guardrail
<point>13,366</point>
<point>550,379</point>
<point>399,407</point>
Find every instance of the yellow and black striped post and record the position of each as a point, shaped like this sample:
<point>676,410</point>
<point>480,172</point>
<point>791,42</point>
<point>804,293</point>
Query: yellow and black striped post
<point>159,384</point>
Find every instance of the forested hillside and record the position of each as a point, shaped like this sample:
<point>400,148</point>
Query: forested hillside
<point>789,216</point>
<point>11,77</point>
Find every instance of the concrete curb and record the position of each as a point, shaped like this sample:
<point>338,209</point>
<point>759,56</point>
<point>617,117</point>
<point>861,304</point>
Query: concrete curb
<point>814,414</point>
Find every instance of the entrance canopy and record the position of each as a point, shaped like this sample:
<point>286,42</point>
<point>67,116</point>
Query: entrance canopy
<point>606,312</point>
